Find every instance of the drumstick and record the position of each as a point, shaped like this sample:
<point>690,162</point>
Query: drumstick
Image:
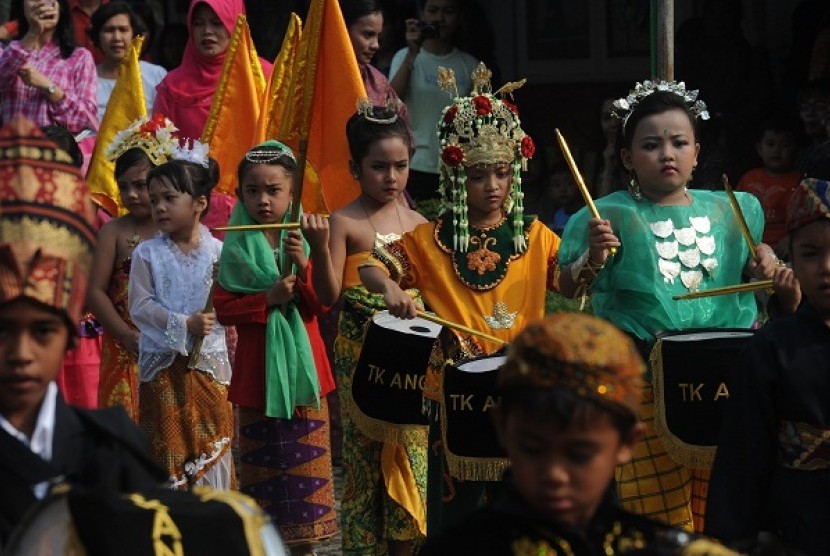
<point>252,227</point>
<point>739,215</point>
<point>586,195</point>
<point>726,290</point>
<point>461,327</point>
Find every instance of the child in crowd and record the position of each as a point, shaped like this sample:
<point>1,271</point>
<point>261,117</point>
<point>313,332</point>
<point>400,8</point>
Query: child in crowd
<point>482,263</point>
<point>570,394</point>
<point>46,238</point>
<point>183,408</point>
<point>813,109</point>
<point>669,240</point>
<point>771,469</point>
<point>774,182</point>
<point>135,152</point>
<point>565,195</point>
<point>281,370</point>
<point>375,519</point>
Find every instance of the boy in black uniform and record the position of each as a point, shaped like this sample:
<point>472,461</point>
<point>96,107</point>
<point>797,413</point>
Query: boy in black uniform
<point>46,241</point>
<point>570,391</point>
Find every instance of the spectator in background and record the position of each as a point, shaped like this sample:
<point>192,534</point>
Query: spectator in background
<point>431,44</point>
<point>43,76</point>
<point>114,26</point>
<point>813,109</point>
<point>776,179</point>
<point>81,12</point>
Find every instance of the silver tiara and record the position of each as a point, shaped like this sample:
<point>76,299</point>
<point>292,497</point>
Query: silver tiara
<point>369,111</point>
<point>269,153</point>
<point>623,107</point>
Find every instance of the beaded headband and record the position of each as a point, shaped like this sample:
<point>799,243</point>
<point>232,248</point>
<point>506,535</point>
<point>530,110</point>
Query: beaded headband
<point>269,152</point>
<point>155,137</point>
<point>481,129</point>
<point>577,352</point>
<point>623,107</point>
<point>387,114</point>
<point>197,152</point>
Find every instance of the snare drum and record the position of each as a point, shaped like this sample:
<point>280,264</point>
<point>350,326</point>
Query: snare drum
<point>471,446</point>
<point>388,380</point>
<point>691,385</point>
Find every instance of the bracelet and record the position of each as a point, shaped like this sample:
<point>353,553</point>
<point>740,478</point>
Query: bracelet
<point>584,263</point>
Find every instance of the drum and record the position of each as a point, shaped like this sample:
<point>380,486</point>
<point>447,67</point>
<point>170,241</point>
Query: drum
<point>691,385</point>
<point>204,521</point>
<point>388,380</point>
<point>471,446</point>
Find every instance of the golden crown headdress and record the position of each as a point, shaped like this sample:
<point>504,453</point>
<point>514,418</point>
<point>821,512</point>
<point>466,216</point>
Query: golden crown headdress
<point>153,136</point>
<point>483,128</point>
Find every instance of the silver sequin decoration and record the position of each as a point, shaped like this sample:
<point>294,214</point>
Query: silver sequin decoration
<point>692,264</point>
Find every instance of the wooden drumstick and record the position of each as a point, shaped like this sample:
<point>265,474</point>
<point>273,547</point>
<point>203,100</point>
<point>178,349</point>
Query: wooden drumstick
<point>253,227</point>
<point>586,195</point>
<point>739,215</point>
<point>726,290</point>
<point>460,327</point>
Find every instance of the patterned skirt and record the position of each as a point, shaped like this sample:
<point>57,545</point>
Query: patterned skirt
<point>286,467</point>
<point>369,513</point>
<point>188,421</point>
<point>655,485</point>
<point>119,377</point>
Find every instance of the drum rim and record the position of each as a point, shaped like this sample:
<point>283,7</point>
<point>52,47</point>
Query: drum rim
<point>434,329</point>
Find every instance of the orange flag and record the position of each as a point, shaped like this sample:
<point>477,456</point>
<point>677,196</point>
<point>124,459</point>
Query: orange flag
<point>320,96</point>
<point>125,105</point>
<point>234,112</point>
<point>276,95</point>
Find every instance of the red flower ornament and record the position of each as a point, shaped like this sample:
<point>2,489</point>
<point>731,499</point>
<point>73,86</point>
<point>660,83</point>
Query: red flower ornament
<point>449,115</point>
<point>452,155</point>
<point>528,147</point>
<point>482,105</point>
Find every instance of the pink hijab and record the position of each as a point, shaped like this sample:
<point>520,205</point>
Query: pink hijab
<point>185,94</point>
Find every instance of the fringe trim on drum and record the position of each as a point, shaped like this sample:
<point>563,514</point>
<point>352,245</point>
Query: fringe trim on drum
<point>689,455</point>
<point>382,431</point>
<point>467,468</point>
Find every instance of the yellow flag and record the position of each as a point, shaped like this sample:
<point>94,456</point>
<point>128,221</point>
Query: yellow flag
<point>231,127</point>
<point>320,96</point>
<point>125,105</point>
<point>276,95</point>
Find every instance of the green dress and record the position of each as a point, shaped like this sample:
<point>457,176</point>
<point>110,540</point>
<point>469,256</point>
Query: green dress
<point>667,251</point>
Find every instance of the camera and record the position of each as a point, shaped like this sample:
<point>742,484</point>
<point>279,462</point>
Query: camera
<point>429,29</point>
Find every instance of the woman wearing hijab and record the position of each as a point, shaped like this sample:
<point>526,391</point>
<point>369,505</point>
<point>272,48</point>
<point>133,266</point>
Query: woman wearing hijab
<point>185,94</point>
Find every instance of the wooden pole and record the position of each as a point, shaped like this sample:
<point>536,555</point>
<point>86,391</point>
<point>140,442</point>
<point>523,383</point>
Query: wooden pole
<point>662,37</point>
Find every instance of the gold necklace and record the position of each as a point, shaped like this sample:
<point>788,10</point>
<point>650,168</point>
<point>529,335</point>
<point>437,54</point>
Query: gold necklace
<point>133,241</point>
<point>369,219</point>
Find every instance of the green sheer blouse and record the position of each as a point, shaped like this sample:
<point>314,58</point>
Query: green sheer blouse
<point>668,251</point>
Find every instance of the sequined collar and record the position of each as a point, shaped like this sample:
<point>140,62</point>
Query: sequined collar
<point>484,265</point>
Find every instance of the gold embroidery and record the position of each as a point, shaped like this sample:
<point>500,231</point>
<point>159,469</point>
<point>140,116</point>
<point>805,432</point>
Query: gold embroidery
<point>482,259</point>
<point>500,317</point>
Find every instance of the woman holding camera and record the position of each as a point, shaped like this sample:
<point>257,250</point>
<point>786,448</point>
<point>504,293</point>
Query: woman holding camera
<point>430,45</point>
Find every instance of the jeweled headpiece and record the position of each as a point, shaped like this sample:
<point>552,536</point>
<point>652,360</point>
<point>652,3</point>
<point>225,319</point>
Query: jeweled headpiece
<point>387,114</point>
<point>153,136</point>
<point>192,151</point>
<point>482,128</point>
<point>584,354</point>
<point>46,222</point>
<point>269,152</point>
<point>810,202</point>
<point>623,107</point>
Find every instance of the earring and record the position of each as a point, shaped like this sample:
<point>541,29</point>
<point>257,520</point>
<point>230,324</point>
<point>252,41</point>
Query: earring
<point>634,187</point>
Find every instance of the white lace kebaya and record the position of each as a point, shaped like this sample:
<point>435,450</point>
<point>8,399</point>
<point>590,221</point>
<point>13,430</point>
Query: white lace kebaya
<point>166,287</point>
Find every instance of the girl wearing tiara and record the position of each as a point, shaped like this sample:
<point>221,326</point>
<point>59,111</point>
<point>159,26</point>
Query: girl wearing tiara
<point>482,263</point>
<point>376,519</point>
<point>670,240</point>
<point>183,408</point>
<point>281,370</point>
<point>141,147</point>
